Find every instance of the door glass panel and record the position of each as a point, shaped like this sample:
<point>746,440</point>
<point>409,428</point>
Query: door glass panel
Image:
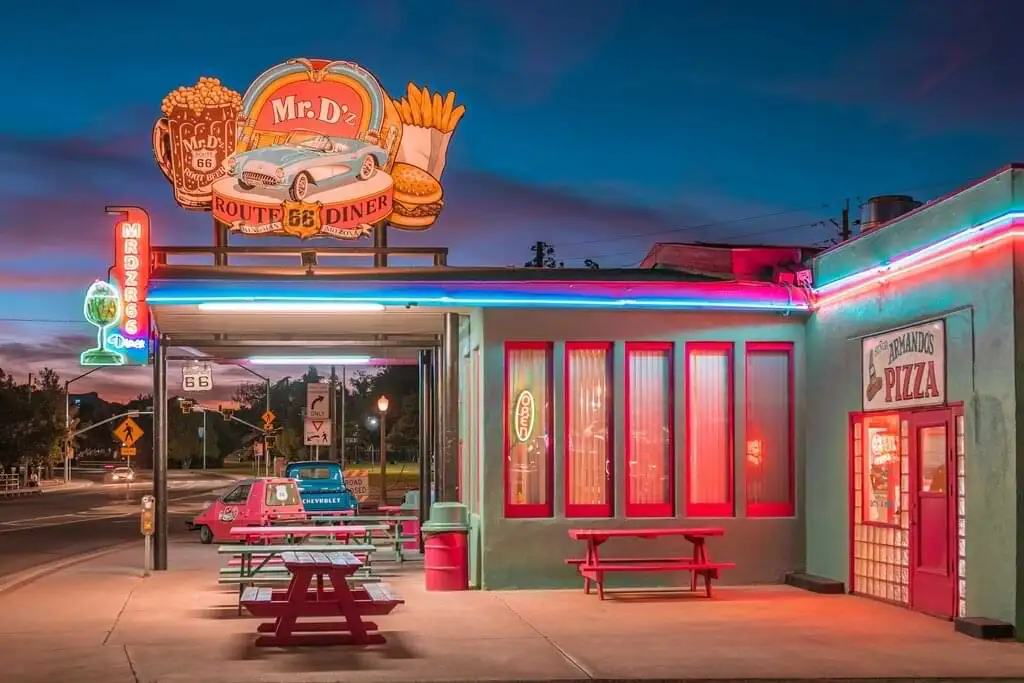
<point>932,444</point>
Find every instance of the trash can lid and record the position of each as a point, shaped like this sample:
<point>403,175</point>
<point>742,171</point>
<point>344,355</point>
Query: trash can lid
<point>447,517</point>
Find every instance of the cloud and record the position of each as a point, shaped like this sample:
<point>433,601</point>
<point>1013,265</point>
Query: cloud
<point>948,72</point>
<point>494,220</point>
<point>55,207</point>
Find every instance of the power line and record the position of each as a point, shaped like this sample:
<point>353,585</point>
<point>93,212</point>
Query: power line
<point>728,238</point>
<point>774,230</point>
<point>685,228</point>
<point>44,320</point>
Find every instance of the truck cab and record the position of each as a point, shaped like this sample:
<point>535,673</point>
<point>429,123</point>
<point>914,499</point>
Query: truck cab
<point>252,502</point>
<point>322,486</point>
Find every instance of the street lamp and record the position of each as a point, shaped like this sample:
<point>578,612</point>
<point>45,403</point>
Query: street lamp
<point>67,421</point>
<point>382,406</point>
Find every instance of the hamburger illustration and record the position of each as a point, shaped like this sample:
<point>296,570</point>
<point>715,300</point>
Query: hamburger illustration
<point>418,197</point>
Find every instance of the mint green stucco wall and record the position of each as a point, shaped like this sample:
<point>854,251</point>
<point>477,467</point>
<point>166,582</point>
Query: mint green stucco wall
<point>529,553</point>
<point>975,296</point>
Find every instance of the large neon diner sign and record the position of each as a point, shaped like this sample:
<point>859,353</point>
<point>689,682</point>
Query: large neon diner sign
<point>118,308</point>
<point>131,277</point>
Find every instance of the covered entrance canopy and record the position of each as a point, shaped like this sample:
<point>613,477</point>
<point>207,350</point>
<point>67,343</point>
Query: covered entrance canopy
<point>236,308</point>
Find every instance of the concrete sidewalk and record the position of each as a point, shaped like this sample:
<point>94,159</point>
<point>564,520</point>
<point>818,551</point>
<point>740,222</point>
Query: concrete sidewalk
<point>100,621</point>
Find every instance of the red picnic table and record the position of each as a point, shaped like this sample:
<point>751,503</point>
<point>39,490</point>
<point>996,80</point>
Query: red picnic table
<point>593,567</point>
<point>339,606</point>
<point>263,534</point>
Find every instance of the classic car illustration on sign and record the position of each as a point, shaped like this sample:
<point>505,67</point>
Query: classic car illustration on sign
<point>314,148</point>
<point>305,161</point>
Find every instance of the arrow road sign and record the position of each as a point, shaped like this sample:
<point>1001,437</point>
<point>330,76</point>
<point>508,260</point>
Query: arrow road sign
<point>317,433</point>
<point>317,404</point>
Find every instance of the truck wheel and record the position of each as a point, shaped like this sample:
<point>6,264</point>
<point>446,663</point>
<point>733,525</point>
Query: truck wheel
<point>205,535</point>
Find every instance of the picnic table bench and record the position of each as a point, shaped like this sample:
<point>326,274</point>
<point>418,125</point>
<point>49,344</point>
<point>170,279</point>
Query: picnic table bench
<point>593,567</point>
<point>340,607</point>
<point>387,525</point>
<point>254,564</point>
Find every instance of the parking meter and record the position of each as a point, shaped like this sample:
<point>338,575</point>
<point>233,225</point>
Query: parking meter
<point>148,515</point>
<point>147,523</point>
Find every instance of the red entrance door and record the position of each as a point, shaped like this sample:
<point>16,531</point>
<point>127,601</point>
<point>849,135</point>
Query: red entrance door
<point>932,513</point>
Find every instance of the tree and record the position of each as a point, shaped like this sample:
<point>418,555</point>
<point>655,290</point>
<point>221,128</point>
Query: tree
<point>183,442</point>
<point>31,420</point>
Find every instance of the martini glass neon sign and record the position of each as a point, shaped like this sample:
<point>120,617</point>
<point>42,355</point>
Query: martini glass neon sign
<point>102,308</point>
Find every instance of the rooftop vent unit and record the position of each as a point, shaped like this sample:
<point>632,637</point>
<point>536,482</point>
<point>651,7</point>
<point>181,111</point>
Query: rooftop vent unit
<point>879,210</point>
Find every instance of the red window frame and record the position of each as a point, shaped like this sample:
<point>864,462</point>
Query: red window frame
<point>865,500</point>
<point>515,510</point>
<point>606,509</point>
<point>666,509</point>
<point>786,509</point>
<point>727,508</point>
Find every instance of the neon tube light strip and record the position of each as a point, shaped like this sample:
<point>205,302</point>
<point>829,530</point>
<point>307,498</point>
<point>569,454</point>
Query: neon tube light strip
<point>283,307</point>
<point>308,360</point>
<point>294,303</point>
<point>966,242</point>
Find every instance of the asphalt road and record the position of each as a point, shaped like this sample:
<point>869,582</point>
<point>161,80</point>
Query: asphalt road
<point>60,523</point>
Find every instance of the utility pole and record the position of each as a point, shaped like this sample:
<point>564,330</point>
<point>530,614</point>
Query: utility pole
<point>332,415</point>
<point>539,249</point>
<point>844,230</point>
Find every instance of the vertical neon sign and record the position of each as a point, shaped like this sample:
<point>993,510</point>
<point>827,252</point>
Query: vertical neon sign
<point>130,276</point>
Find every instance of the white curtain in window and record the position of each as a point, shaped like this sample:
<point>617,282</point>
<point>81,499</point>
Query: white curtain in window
<point>528,456</point>
<point>769,412</point>
<point>587,403</point>
<point>708,438</point>
<point>649,437</point>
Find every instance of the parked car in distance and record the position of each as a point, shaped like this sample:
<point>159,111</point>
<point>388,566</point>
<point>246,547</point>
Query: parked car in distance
<point>253,502</point>
<point>322,486</point>
<point>122,474</point>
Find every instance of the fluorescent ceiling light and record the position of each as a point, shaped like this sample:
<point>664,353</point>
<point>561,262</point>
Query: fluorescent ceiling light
<point>309,360</point>
<point>290,307</point>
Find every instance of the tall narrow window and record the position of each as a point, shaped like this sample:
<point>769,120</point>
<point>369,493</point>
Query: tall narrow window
<point>649,471</point>
<point>769,429</point>
<point>588,429</point>
<point>528,418</point>
<point>709,428</point>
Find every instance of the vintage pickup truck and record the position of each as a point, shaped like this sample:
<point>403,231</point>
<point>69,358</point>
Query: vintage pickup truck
<point>322,486</point>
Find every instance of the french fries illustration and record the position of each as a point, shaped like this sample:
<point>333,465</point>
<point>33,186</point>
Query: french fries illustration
<point>421,108</point>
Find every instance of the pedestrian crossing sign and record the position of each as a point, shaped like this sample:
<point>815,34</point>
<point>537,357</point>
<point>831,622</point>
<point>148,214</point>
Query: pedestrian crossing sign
<point>128,432</point>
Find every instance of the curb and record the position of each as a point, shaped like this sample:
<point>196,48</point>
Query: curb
<point>27,576</point>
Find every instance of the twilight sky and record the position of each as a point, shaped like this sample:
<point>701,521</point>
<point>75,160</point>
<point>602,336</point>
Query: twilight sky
<point>601,126</point>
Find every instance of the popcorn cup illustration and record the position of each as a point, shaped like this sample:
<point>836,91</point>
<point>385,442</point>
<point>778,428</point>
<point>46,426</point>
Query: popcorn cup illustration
<point>194,136</point>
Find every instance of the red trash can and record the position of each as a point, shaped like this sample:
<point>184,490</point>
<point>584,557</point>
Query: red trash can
<point>446,548</point>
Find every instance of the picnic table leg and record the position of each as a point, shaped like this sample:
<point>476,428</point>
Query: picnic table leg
<point>353,620</point>
<point>302,578</point>
<point>700,556</point>
<point>284,625</point>
<point>598,574</point>
<point>591,554</point>
<point>398,542</point>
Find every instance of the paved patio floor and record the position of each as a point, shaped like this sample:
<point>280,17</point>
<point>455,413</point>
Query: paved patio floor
<point>101,621</point>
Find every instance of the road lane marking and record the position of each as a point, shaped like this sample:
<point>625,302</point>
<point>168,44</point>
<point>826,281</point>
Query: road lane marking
<point>83,516</point>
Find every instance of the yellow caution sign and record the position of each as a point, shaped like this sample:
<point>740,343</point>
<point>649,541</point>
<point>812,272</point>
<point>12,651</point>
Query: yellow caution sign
<point>128,432</point>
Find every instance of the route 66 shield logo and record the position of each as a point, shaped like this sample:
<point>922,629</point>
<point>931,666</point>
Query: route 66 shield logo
<point>301,219</point>
<point>204,160</point>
